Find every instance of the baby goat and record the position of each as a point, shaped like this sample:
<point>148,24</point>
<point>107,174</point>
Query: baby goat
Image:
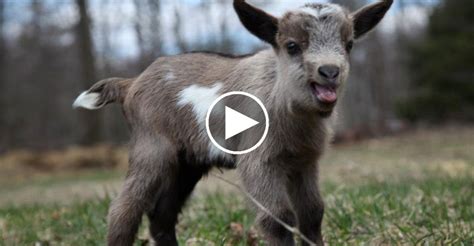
<point>298,80</point>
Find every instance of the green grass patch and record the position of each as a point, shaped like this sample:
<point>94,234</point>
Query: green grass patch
<point>430,211</point>
<point>436,210</point>
<point>77,224</point>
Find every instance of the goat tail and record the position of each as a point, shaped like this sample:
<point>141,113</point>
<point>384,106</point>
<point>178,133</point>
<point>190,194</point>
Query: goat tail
<point>102,93</point>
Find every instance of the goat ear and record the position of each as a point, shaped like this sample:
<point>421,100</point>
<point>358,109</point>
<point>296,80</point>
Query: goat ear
<point>257,21</point>
<point>368,17</point>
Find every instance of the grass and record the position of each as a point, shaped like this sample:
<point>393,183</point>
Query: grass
<point>414,189</point>
<point>438,210</point>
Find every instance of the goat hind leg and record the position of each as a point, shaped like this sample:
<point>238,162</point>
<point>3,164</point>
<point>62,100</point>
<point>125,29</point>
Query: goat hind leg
<point>164,216</point>
<point>151,163</point>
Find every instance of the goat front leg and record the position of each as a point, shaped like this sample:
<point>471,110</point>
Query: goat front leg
<point>266,183</point>
<point>152,162</point>
<point>307,203</point>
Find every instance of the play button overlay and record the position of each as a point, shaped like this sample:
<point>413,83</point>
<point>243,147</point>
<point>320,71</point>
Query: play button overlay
<point>237,123</point>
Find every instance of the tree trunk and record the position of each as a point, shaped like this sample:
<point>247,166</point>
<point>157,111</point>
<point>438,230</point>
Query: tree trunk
<point>148,30</point>
<point>3,78</point>
<point>155,28</point>
<point>139,31</point>
<point>91,120</point>
<point>177,31</point>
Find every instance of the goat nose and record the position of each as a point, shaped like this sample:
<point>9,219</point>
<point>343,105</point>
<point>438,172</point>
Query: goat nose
<point>329,72</point>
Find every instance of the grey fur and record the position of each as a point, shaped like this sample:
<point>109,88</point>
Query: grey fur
<point>169,150</point>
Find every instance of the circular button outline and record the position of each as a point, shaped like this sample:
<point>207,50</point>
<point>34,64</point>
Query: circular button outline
<point>265,132</point>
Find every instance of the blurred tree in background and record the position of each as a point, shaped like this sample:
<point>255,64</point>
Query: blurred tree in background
<point>3,50</point>
<point>442,66</point>
<point>92,120</point>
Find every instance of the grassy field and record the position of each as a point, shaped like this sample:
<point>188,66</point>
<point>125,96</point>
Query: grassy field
<point>416,188</point>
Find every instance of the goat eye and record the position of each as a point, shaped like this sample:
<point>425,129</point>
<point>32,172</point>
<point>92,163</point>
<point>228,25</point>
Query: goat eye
<point>349,46</point>
<point>293,48</point>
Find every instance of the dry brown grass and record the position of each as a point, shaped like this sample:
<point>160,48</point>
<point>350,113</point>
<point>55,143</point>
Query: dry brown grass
<point>24,164</point>
<point>414,154</point>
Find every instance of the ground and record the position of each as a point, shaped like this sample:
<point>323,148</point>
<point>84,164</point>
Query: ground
<point>413,188</point>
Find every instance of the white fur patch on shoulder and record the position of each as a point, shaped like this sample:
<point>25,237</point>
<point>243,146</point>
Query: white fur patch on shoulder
<point>325,10</point>
<point>87,100</point>
<point>200,98</point>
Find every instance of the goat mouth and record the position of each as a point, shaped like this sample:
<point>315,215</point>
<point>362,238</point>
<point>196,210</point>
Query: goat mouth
<point>325,94</point>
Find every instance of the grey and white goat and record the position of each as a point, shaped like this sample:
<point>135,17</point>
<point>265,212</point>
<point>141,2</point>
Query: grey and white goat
<point>299,81</point>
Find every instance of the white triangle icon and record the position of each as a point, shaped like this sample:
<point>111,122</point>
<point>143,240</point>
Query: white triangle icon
<point>236,122</point>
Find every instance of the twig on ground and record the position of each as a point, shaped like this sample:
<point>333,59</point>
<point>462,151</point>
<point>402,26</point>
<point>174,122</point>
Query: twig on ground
<point>291,229</point>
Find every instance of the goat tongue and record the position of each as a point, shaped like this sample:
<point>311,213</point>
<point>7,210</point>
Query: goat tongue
<point>325,94</point>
